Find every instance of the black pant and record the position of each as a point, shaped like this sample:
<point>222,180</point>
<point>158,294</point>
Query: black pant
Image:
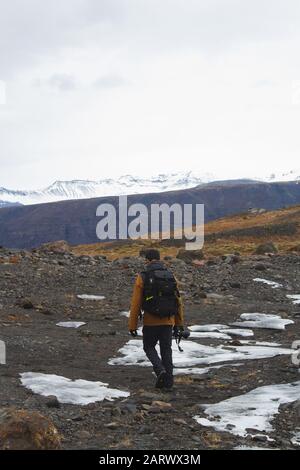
<point>162,334</point>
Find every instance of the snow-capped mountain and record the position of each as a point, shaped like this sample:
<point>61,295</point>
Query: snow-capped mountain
<point>83,189</point>
<point>292,175</point>
<point>6,203</point>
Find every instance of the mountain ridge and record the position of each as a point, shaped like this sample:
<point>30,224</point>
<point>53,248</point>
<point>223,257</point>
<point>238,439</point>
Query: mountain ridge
<point>127,184</point>
<point>75,220</point>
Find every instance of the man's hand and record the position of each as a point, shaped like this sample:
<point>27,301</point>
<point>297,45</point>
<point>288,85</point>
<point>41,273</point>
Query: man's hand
<point>177,330</point>
<point>133,333</point>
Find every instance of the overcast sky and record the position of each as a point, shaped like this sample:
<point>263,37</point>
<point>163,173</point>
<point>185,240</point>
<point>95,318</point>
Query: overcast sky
<point>99,88</point>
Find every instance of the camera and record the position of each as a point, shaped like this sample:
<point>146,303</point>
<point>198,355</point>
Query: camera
<point>180,333</point>
<point>184,334</point>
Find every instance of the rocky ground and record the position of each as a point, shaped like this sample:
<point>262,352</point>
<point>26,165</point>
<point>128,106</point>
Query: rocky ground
<point>39,289</point>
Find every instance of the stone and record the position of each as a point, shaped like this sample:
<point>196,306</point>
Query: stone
<point>260,267</point>
<point>162,405</point>
<point>265,248</point>
<point>25,303</point>
<point>130,408</point>
<point>214,296</point>
<point>180,421</point>
<point>259,438</point>
<point>235,285</point>
<point>202,295</point>
<point>150,395</point>
<point>188,256</point>
<point>60,246</point>
<point>231,259</point>
<point>25,430</point>
<point>112,425</point>
<point>52,402</point>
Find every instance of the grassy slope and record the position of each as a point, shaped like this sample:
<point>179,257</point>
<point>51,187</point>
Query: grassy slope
<point>240,233</point>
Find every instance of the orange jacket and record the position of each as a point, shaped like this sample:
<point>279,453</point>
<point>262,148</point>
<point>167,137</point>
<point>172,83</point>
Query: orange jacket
<point>148,319</point>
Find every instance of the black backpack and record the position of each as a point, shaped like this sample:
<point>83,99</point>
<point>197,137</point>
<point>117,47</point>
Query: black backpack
<point>160,296</point>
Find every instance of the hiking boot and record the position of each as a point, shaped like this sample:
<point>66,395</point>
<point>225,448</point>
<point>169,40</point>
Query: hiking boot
<point>168,383</point>
<point>161,379</point>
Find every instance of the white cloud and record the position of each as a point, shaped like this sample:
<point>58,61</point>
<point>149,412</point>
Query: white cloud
<point>139,87</point>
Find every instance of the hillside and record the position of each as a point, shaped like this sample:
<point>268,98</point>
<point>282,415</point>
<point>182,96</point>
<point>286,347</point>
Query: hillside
<point>241,233</point>
<point>75,221</point>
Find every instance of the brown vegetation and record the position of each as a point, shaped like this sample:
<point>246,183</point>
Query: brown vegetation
<point>240,233</point>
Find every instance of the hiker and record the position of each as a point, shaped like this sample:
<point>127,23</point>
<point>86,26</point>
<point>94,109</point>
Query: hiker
<point>157,295</point>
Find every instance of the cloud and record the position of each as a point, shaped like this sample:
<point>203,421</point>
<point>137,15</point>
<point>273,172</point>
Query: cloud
<point>33,30</point>
<point>58,82</point>
<point>62,82</point>
<point>264,83</point>
<point>111,81</point>
<point>98,87</point>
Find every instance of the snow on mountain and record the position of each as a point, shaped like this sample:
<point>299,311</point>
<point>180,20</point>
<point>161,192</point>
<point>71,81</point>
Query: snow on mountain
<point>291,175</point>
<point>127,184</point>
<point>6,203</point>
<point>80,189</point>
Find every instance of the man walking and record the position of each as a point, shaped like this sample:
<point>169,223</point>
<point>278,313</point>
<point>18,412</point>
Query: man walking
<point>157,295</point>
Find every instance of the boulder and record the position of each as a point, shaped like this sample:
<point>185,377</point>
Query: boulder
<point>295,248</point>
<point>52,402</point>
<point>260,267</point>
<point>265,248</point>
<point>60,246</point>
<point>25,430</point>
<point>235,284</point>
<point>231,258</point>
<point>202,295</point>
<point>26,303</point>
<point>189,256</point>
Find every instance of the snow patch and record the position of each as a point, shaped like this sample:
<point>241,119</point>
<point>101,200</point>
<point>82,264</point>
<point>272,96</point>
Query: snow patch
<point>90,297</point>
<point>217,331</point>
<point>71,324</point>
<point>76,392</point>
<point>254,410</point>
<point>295,298</point>
<point>296,439</point>
<point>195,370</point>
<point>125,314</point>
<point>209,334</point>
<point>212,327</point>
<point>239,332</point>
<point>251,448</point>
<point>274,285</point>
<point>195,354</point>
<point>262,320</point>
<point>260,343</point>
<point>200,370</point>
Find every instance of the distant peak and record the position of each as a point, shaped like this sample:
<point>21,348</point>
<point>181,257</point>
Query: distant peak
<point>131,184</point>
